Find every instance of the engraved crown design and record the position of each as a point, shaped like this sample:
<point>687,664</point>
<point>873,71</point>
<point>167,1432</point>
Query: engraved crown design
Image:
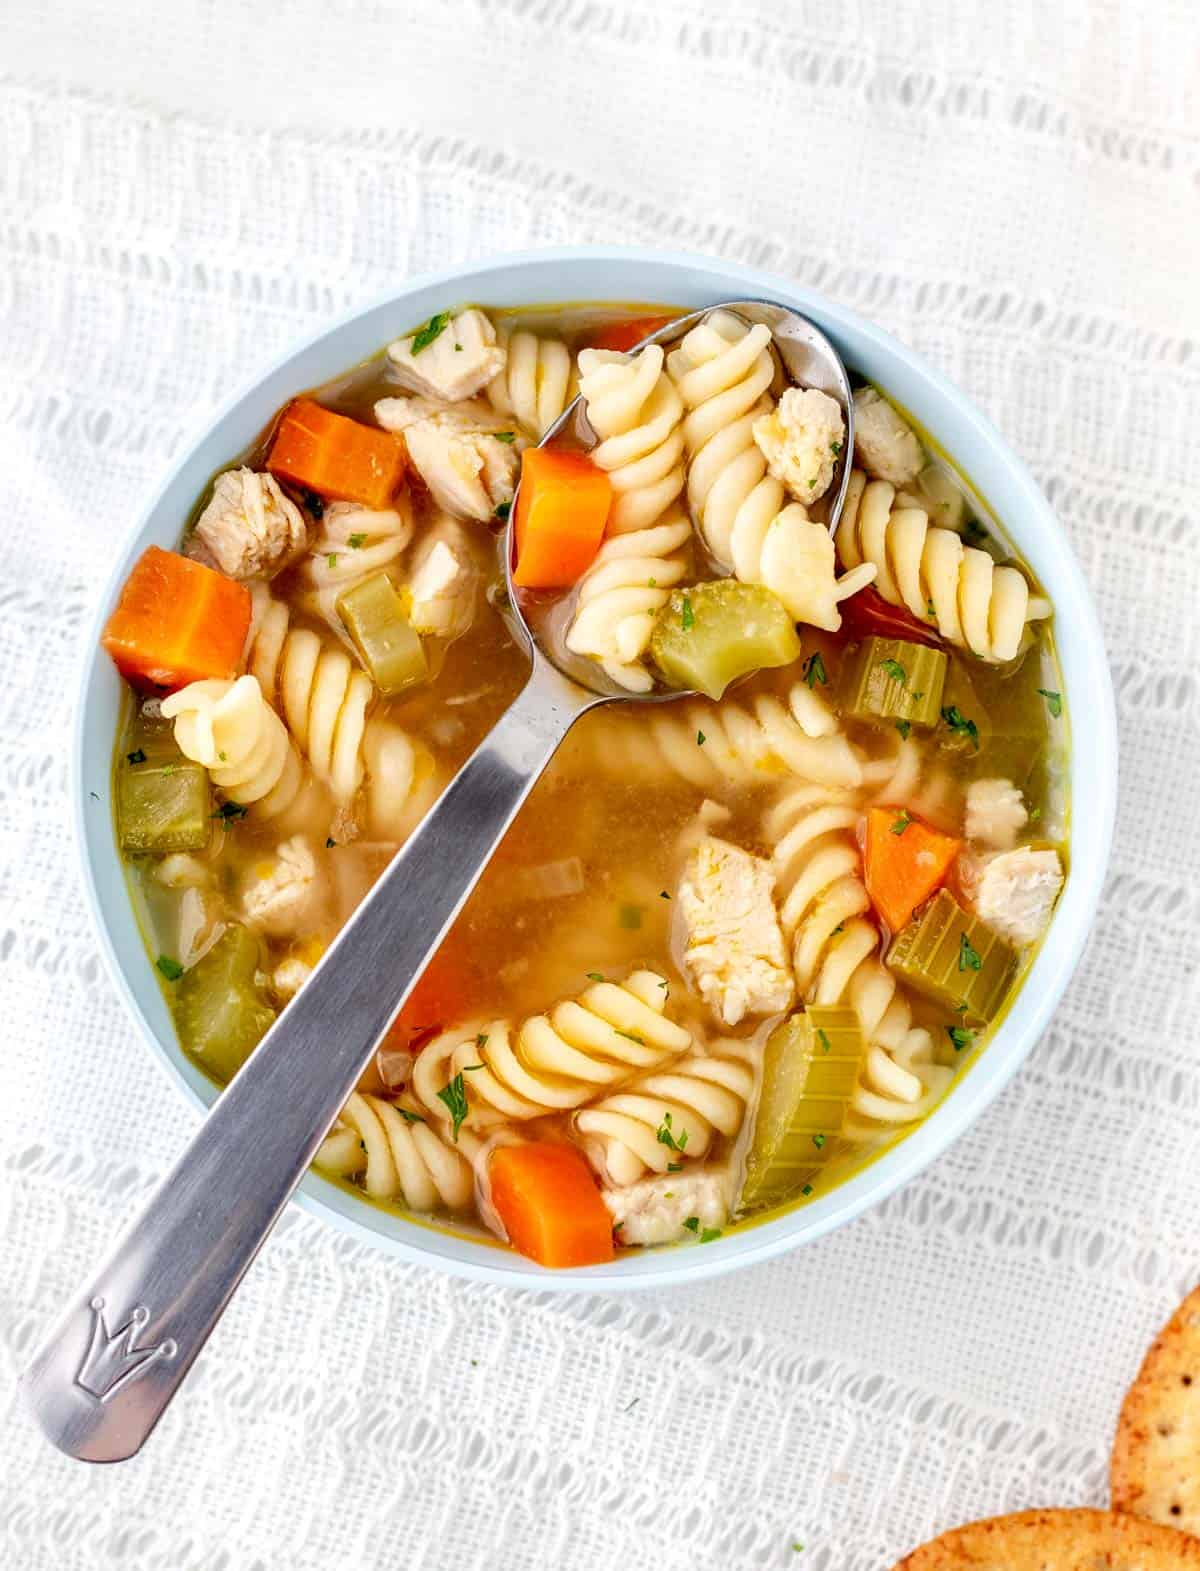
<point>113,1358</point>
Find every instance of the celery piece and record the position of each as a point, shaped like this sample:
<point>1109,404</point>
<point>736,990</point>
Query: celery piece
<point>219,1012</point>
<point>810,1068</point>
<point>889,679</point>
<point>161,807</point>
<point>953,958</point>
<point>708,635</point>
<point>373,615</point>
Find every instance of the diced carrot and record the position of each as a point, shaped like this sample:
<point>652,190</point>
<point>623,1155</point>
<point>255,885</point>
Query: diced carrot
<point>905,862</point>
<point>867,613</point>
<point>444,993</point>
<point>177,621</point>
<point>622,336</point>
<point>550,1205</point>
<point>336,456</point>
<point>562,508</point>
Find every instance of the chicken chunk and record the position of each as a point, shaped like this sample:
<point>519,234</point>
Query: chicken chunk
<point>286,892</point>
<point>883,444</point>
<point>734,952</point>
<point>465,454</point>
<point>1015,892</point>
<point>995,814</point>
<point>443,579</point>
<point>801,439</point>
<point>461,359</point>
<point>655,1210</point>
<point>250,529</point>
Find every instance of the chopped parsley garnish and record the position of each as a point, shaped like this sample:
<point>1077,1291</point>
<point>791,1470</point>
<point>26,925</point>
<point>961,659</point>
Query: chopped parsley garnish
<point>502,510</point>
<point>709,1233</point>
<point>960,1036</point>
<point>331,559</point>
<point>458,347</point>
<point>960,725</point>
<point>1053,701</point>
<point>687,617</point>
<point>904,727</point>
<point>814,670</point>
<point>975,530</point>
<point>330,842</point>
<point>356,542</point>
<point>507,437</point>
<point>138,756</point>
<point>454,1096</point>
<point>700,739</point>
<point>171,969</point>
<point>836,449</point>
<point>481,1041</point>
<point>819,1141</point>
<point>229,811</point>
<point>807,1190</point>
<point>840,928</point>
<point>961,1007</point>
<point>410,1118</point>
<point>630,916</point>
<point>968,955</point>
<point>663,895</point>
<point>931,610</point>
<point>692,1223</point>
<point>222,757</point>
<point>899,825</point>
<point>596,976</point>
<point>823,1039</point>
<point>652,583</point>
<point>674,1167</point>
<point>666,1137</point>
<point>1034,814</point>
<point>432,329</point>
<point>895,670</point>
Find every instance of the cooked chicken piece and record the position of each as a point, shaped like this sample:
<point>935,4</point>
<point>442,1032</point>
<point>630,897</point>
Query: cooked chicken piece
<point>801,439</point>
<point>734,951</point>
<point>465,455</point>
<point>657,1210</point>
<point>995,814</point>
<point>797,562</point>
<point>285,893</point>
<point>444,577</point>
<point>1015,892</point>
<point>885,447</point>
<point>456,361</point>
<point>289,976</point>
<point>250,529</point>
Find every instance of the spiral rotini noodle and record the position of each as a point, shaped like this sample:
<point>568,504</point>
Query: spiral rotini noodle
<point>354,542</point>
<point>630,579</point>
<point>401,780</point>
<point>636,412</point>
<point>554,1062</point>
<point>229,727</point>
<point>825,915</point>
<point>318,689</point>
<point>537,382</point>
<point>723,371</point>
<point>670,1116</point>
<point>400,1157</point>
<point>723,746</point>
<point>976,604</point>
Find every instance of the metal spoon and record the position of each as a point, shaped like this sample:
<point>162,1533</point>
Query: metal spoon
<point>105,1373</point>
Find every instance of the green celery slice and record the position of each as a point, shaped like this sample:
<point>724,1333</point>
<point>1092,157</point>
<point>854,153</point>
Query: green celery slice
<point>389,647</point>
<point>709,635</point>
<point>219,1012</point>
<point>810,1069</point>
<point>891,679</point>
<point>933,955</point>
<point>162,807</point>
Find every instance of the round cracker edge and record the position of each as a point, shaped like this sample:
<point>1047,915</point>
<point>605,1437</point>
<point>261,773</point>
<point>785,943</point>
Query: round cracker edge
<point>1137,1435</point>
<point>1073,1535</point>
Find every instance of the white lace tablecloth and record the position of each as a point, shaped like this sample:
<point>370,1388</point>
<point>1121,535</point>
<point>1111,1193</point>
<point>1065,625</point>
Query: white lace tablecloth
<point>1013,187</point>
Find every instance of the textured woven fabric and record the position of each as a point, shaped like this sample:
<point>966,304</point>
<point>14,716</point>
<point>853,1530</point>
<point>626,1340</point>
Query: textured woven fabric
<point>1012,187</point>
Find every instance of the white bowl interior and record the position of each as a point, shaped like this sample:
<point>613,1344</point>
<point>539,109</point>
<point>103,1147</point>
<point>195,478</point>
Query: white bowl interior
<point>591,273</point>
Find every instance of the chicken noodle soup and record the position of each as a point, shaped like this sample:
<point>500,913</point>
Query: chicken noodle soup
<point>734,944</point>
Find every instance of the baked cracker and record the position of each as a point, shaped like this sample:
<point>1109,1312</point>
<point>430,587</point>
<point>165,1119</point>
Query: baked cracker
<point>1064,1540</point>
<point>1156,1453</point>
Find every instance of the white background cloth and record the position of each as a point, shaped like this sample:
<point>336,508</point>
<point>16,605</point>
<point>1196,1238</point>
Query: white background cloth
<point>1014,187</point>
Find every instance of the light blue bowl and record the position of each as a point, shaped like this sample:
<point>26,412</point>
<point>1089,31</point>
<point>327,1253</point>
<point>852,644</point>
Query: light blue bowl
<point>620,273</point>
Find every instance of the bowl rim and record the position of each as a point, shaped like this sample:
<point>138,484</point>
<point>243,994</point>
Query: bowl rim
<point>977,1083</point>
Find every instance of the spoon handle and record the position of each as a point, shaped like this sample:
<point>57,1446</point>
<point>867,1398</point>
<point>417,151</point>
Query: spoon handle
<point>105,1373</point>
